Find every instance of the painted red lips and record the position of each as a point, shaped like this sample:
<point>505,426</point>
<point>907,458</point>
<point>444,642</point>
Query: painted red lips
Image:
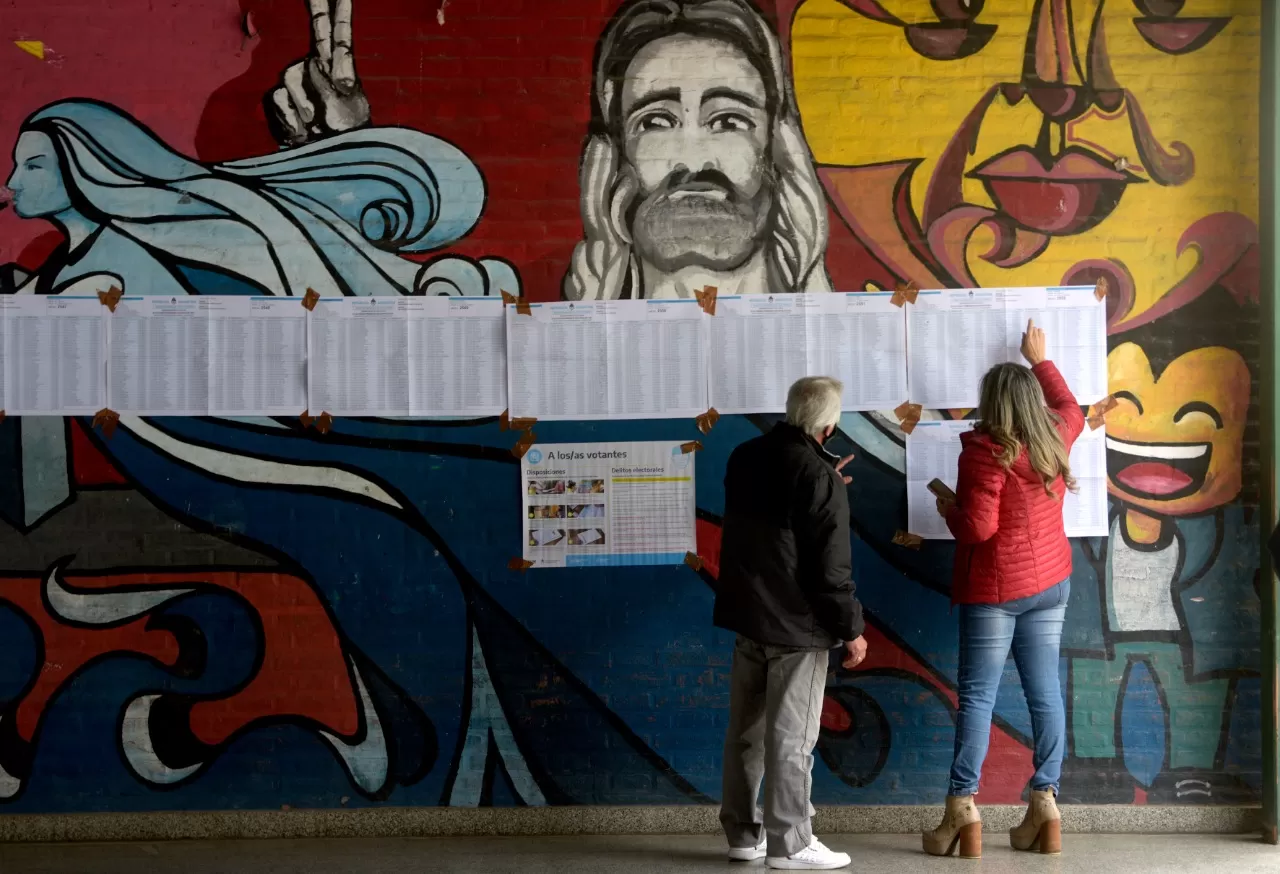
<point>1158,471</point>
<point>1068,195</point>
<point>1153,478</point>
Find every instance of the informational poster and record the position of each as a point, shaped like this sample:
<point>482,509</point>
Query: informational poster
<point>54,354</point>
<point>761,344</point>
<point>933,451</point>
<point>358,357</point>
<point>625,359</point>
<point>158,357</point>
<point>955,336</point>
<point>257,355</point>
<point>458,356</point>
<point>606,504</point>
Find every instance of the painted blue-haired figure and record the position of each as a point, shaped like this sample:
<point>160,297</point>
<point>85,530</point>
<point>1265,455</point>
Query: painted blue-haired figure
<point>335,215</point>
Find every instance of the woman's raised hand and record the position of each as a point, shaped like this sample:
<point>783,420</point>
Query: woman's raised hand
<point>1033,344</point>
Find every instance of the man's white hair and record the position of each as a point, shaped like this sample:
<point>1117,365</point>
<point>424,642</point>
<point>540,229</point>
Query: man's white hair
<point>604,266</point>
<point>813,404</point>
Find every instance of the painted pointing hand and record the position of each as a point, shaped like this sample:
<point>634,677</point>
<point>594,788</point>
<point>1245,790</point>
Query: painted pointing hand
<point>321,95</point>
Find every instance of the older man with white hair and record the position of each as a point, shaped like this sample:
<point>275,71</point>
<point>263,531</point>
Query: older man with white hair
<point>785,589</point>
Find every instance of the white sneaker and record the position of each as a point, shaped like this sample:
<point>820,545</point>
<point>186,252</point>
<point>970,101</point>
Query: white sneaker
<point>814,857</point>
<point>748,854</point>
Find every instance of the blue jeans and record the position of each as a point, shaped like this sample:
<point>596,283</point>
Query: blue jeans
<point>1034,628</point>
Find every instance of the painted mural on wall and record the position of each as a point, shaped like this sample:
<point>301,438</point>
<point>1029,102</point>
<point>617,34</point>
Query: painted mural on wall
<point>251,614</point>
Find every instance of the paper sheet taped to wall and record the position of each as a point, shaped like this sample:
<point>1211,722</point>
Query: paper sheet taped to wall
<point>603,504</point>
<point>257,356</point>
<point>933,451</point>
<point>761,344</point>
<point>53,351</point>
<point>624,359</point>
<point>158,350</point>
<point>408,356</point>
<point>956,335</point>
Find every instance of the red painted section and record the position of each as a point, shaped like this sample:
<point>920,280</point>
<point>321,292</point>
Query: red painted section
<point>39,250</point>
<point>158,61</point>
<point>66,649</point>
<point>309,683</point>
<point>89,467</point>
<point>708,534</point>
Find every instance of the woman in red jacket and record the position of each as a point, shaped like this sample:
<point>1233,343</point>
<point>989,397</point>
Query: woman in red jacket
<point>1011,580</point>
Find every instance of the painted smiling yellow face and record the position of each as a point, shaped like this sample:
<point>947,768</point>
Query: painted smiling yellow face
<point>1175,440</point>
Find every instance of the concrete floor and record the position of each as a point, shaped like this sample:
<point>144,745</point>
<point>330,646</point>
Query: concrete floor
<point>623,855</point>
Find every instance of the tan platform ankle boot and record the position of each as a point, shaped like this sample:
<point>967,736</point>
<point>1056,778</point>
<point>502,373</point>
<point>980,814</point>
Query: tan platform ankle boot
<point>1041,828</point>
<point>961,828</point>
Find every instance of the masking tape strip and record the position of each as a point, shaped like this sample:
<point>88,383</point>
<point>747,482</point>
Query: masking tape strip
<point>111,297</point>
<point>707,299</point>
<point>519,564</point>
<point>685,448</point>
<point>693,561</point>
<point>910,541</point>
<point>908,416</point>
<point>506,423</point>
<point>1095,422</point>
<point>1100,290</point>
<point>306,419</point>
<point>707,420</point>
<point>1104,406</point>
<point>521,305</point>
<point>324,423</point>
<point>310,299</point>
<point>527,439</point>
<point>107,420</point>
<point>908,410</point>
<point>2,417</point>
<point>905,293</point>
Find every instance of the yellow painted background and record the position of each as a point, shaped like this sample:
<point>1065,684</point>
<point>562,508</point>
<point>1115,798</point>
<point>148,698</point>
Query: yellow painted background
<point>866,97</point>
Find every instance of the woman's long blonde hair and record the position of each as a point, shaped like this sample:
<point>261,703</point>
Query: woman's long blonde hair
<point>1013,413</point>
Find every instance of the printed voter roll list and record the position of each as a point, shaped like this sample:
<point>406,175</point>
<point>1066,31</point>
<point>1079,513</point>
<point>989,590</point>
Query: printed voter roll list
<point>257,355</point>
<point>607,504</point>
<point>956,335</point>
<point>623,359</point>
<point>933,451</point>
<point>53,346</point>
<point>761,344</point>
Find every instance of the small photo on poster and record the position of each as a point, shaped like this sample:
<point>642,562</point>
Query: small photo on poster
<point>547,511</point>
<point>586,487</point>
<point>540,538</point>
<point>586,511</point>
<point>586,537</point>
<point>546,487</point>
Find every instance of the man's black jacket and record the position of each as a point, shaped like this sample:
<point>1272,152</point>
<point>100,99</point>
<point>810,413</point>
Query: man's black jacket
<point>785,558</point>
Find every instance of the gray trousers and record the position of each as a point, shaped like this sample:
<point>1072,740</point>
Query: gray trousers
<point>775,713</point>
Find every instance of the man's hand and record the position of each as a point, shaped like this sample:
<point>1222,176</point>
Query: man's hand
<point>945,506</point>
<point>854,652</point>
<point>840,467</point>
<point>321,94</point>
<point>1033,344</point>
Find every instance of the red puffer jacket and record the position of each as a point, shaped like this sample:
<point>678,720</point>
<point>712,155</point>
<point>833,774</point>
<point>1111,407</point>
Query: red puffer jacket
<point>1010,542</point>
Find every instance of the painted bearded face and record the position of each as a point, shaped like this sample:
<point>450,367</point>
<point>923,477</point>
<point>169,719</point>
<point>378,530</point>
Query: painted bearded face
<point>698,146</point>
<point>1056,140</point>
